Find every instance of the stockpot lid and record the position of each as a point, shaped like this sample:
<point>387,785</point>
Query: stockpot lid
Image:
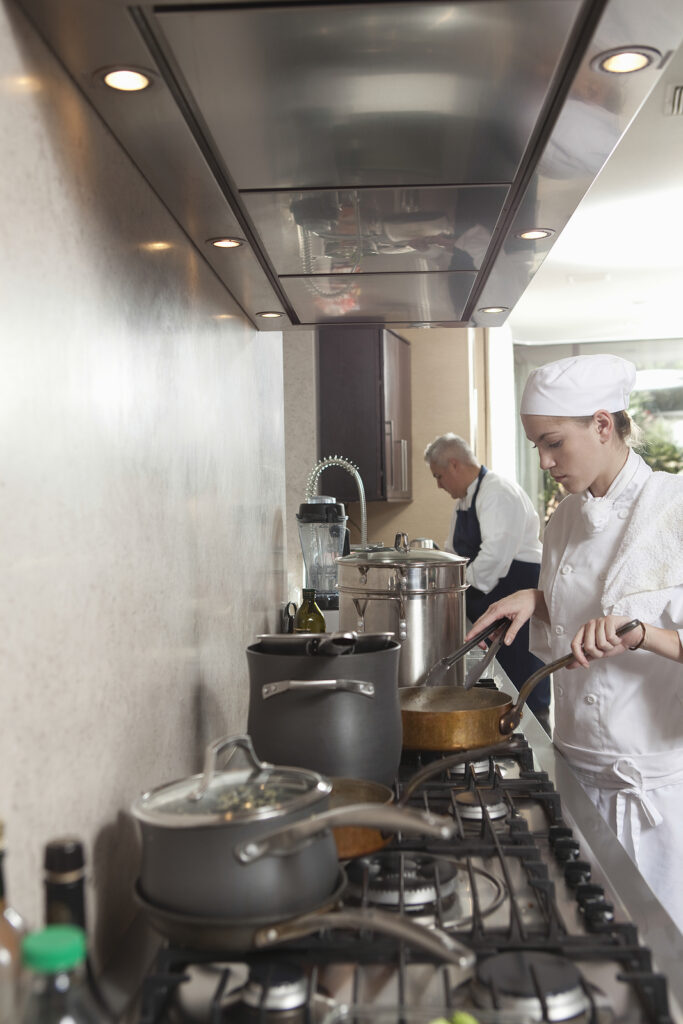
<point>401,554</point>
<point>255,792</point>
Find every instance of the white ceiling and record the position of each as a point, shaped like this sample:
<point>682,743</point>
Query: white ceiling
<point>616,271</point>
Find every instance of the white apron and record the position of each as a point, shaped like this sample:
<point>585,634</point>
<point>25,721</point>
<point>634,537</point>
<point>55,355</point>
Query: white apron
<point>620,722</point>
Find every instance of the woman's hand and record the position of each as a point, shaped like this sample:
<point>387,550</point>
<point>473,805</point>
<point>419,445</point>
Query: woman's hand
<point>519,607</point>
<point>598,639</point>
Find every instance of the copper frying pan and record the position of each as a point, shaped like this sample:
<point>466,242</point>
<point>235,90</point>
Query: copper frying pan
<point>453,718</point>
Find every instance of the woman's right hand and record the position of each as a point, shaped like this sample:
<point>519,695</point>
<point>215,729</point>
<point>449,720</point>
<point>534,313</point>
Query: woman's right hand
<point>519,607</point>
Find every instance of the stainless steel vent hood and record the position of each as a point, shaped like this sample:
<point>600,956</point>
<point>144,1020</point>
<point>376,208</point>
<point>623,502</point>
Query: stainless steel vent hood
<point>380,161</point>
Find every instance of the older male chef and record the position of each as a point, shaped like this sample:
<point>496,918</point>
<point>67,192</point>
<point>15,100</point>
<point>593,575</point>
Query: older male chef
<point>495,525</point>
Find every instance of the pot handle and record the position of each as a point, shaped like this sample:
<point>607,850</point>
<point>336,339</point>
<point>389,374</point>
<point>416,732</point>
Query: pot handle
<point>335,643</point>
<point>359,686</point>
<point>511,719</point>
<point>402,632</point>
<point>388,819</point>
<point>434,941</point>
<point>212,753</point>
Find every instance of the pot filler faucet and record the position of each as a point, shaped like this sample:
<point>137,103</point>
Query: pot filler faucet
<point>341,463</point>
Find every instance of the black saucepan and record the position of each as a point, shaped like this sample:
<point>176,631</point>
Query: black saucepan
<point>251,841</point>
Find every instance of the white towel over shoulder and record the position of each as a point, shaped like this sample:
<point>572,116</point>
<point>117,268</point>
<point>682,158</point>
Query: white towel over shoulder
<point>649,563</point>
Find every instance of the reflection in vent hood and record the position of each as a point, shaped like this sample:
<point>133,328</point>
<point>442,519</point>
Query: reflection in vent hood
<point>380,160</point>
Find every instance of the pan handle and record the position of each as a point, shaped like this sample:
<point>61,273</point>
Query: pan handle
<point>390,819</point>
<point>511,719</point>
<point>438,943</point>
<point>359,686</point>
<point>442,764</point>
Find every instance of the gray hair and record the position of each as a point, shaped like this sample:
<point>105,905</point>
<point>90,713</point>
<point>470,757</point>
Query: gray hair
<point>449,446</point>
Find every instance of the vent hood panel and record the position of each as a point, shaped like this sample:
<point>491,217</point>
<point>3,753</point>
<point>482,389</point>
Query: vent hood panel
<point>380,160</point>
<point>379,298</point>
<point>376,230</point>
<point>370,94</point>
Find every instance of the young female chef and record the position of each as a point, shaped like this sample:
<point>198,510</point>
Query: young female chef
<point>612,551</point>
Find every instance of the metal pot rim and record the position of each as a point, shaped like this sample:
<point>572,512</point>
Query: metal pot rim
<point>144,809</point>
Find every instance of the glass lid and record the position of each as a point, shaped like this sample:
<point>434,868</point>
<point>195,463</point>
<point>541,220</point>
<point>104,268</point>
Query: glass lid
<point>243,794</point>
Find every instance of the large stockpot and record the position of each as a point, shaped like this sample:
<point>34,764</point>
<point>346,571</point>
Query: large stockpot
<point>336,714</point>
<point>417,594</point>
<point>252,841</point>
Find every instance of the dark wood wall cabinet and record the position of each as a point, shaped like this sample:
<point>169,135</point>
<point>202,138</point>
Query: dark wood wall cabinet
<point>365,412</point>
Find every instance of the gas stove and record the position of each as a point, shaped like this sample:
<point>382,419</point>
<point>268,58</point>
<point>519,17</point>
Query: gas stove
<point>517,885</point>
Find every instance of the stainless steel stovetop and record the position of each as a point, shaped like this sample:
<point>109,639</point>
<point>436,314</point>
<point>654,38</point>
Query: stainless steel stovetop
<point>522,884</point>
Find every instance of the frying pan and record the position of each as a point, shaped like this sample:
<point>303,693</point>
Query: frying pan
<point>217,935</point>
<point>453,718</point>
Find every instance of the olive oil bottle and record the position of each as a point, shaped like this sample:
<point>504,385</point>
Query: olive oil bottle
<point>309,618</point>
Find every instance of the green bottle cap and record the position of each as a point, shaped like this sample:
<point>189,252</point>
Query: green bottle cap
<point>59,947</point>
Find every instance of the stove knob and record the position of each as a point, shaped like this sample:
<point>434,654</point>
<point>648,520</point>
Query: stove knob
<point>556,832</point>
<point>589,891</point>
<point>599,916</point>
<point>566,849</point>
<point>577,872</point>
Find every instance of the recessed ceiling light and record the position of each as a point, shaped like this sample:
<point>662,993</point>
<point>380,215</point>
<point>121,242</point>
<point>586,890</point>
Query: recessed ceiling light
<point>126,79</point>
<point>625,60</point>
<point>270,314</point>
<point>492,309</point>
<point>534,233</point>
<point>226,243</point>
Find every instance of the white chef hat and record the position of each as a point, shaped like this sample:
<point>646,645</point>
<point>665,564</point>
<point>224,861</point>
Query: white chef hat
<point>579,386</point>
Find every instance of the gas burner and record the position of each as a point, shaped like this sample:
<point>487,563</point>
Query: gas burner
<point>475,767</point>
<point>541,986</point>
<point>414,880</point>
<point>276,986</point>
<point>407,882</point>
<point>470,804</point>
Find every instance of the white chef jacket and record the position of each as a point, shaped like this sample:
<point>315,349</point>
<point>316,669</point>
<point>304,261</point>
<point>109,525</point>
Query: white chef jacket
<point>619,722</point>
<point>509,527</point>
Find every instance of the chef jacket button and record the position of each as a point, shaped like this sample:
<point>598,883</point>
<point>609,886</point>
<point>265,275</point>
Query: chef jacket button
<point>559,691</point>
<point>559,630</point>
<point>565,569</point>
<point>590,698</point>
<point>623,514</point>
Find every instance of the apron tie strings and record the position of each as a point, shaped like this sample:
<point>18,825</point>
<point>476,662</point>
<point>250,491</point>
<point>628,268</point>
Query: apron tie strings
<point>633,799</point>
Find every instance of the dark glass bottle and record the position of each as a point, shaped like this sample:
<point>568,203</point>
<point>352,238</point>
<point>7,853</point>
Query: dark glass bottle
<point>64,863</point>
<point>11,931</point>
<point>55,961</point>
<point>309,618</point>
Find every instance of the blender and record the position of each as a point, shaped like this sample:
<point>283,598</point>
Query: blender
<point>324,538</point>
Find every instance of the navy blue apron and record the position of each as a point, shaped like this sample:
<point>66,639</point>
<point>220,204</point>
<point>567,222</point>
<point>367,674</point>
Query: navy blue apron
<point>516,660</point>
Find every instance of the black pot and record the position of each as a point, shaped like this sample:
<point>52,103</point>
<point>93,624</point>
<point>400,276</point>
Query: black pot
<point>338,715</point>
<point>252,842</point>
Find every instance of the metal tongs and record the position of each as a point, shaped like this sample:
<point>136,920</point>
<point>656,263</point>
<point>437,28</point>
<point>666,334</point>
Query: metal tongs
<point>438,671</point>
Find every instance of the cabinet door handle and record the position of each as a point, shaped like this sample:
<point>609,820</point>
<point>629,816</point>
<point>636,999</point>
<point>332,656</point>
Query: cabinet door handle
<point>404,465</point>
<point>389,433</point>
